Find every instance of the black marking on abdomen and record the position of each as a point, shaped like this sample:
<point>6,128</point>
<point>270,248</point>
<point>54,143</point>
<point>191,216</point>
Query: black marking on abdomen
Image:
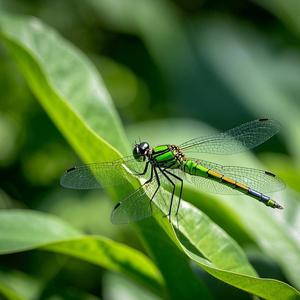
<point>263,119</point>
<point>71,169</point>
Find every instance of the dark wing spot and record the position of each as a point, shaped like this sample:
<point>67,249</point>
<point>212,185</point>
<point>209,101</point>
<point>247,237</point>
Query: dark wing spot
<point>270,174</point>
<point>118,204</point>
<point>262,120</point>
<point>71,169</point>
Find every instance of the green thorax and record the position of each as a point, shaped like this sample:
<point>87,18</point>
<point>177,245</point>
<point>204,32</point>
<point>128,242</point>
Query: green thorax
<point>170,156</point>
<point>166,156</point>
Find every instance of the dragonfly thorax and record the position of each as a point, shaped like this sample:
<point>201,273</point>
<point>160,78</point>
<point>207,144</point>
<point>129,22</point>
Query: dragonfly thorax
<point>140,151</point>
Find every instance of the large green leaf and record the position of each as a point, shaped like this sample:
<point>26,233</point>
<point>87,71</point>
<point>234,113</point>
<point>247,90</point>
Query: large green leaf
<point>54,69</point>
<point>26,40</point>
<point>235,273</point>
<point>24,230</point>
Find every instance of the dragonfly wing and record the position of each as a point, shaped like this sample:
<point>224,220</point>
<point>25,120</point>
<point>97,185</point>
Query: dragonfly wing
<point>136,206</point>
<point>238,139</point>
<point>259,180</point>
<point>98,175</point>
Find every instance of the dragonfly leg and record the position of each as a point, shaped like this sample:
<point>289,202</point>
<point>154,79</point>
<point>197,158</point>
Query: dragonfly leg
<point>149,180</point>
<point>158,186</point>
<point>145,169</point>
<point>181,188</point>
<point>180,193</point>
<point>151,174</point>
<point>173,192</point>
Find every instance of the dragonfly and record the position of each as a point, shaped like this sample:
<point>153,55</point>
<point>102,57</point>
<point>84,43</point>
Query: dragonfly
<point>172,165</point>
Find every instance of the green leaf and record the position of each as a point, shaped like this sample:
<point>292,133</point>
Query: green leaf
<point>24,230</point>
<point>27,230</point>
<point>113,256</point>
<point>72,99</point>
<point>234,269</point>
<point>73,95</point>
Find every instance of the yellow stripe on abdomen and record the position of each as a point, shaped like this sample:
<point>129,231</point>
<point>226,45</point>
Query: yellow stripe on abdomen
<point>221,178</point>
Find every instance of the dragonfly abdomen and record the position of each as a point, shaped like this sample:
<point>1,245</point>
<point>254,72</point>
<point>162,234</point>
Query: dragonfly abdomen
<point>191,167</point>
<point>263,198</point>
<point>243,188</point>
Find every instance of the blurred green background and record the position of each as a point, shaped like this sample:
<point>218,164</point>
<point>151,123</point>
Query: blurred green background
<point>191,63</point>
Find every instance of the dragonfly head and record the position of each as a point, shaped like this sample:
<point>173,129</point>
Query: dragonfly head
<point>140,151</point>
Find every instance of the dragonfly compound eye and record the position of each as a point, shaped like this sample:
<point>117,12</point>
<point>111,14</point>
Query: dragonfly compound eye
<point>139,151</point>
<point>144,146</point>
<point>137,154</point>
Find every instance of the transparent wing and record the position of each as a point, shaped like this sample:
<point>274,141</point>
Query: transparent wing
<point>98,175</point>
<point>134,207</point>
<point>259,180</point>
<point>238,139</point>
